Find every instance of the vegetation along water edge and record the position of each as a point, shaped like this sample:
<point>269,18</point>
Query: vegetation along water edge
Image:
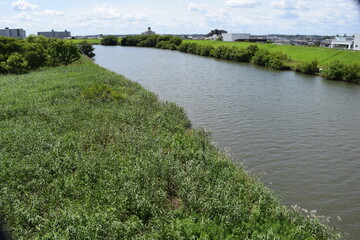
<point>87,154</point>
<point>333,64</point>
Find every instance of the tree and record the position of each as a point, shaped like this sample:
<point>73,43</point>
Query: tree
<point>63,52</point>
<point>86,49</point>
<point>109,40</point>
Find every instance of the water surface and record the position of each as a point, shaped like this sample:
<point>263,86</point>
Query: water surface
<point>299,134</point>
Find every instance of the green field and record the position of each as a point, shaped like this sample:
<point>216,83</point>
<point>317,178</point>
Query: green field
<point>296,53</point>
<point>88,154</point>
<point>92,41</point>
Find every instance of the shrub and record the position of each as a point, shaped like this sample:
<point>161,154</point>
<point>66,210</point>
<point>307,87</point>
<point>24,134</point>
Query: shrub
<point>36,55</point>
<point>277,61</point>
<point>16,64</point>
<point>63,52</point>
<point>86,49</point>
<point>334,71</point>
<point>242,55</point>
<point>109,40</point>
<point>261,57</point>
<point>308,67</point>
<point>149,41</point>
<point>205,50</point>
<point>351,72</point>
<point>175,40</point>
<point>183,47</point>
<point>192,48</point>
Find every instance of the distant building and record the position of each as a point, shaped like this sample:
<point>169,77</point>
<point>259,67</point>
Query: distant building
<point>343,43</point>
<point>148,32</point>
<point>231,37</point>
<point>357,41</point>
<point>15,33</point>
<point>56,34</point>
<point>326,43</point>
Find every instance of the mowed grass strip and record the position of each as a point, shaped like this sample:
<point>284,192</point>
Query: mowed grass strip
<point>297,53</point>
<point>91,41</point>
<point>88,154</point>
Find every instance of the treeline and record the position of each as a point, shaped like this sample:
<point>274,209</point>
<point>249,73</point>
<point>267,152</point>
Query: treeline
<point>19,56</point>
<point>162,42</point>
<point>252,53</point>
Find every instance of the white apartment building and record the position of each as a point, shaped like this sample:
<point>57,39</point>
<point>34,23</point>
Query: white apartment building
<point>56,34</point>
<point>357,41</point>
<point>231,37</point>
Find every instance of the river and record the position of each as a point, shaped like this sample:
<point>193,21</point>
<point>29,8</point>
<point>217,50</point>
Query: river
<point>299,134</point>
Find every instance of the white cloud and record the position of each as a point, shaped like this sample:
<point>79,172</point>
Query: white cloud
<point>107,17</point>
<point>243,3</point>
<point>23,5</point>
<point>201,8</point>
<point>22,17</point>
<point>50,13</point>
<point>288,14</point>
<point>290,5</point>
<point>136,18</point>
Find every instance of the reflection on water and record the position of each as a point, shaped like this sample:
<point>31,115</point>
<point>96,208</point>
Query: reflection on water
<point>300,134</point>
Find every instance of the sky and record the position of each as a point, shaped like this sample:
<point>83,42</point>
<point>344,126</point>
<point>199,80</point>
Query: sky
<point>87,17</point>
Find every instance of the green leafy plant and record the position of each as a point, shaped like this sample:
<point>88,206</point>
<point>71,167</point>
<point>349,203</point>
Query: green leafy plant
<point>109,40</point>
<point>308,67</point>
<point>62,52</point>
<point>86,49</point>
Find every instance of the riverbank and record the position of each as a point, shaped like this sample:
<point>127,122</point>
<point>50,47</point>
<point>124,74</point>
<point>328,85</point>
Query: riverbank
<point>84,147</point>
<point>298,54</point>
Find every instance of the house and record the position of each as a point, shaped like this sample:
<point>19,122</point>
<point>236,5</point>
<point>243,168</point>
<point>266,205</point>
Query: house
<point>56,34</point>
<point>343,43</point>
<point>15,33</point>
<point>357,42</point>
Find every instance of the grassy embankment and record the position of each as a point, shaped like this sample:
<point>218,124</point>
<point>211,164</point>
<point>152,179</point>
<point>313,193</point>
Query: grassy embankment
<point>87,154</point>
<point>297,54</point>
<point>92,41</point>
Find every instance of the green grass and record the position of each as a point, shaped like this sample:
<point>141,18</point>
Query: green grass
<point>92,41</point>
<point>296,53</point>
<point>87,154</point>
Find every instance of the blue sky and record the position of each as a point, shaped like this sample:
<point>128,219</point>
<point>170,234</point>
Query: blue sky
<point>83,17</point>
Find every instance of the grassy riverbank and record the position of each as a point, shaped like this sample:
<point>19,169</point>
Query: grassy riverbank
<point>298,54</point>
<point>87,154</point>
<point>91,41</point>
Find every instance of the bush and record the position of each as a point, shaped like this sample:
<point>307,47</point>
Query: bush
<point>242,55</point>
<point>351,72</point>
<point>16,64</point>
<point>109,40</point>
<point>261,57</point>
<point>175,40</point>
<point>308,67</point>
<point>63,52</point>
<point>334,71</point>
<point>183,47</point>
<point>36,55</point>
<point>86,49</point>
<point>277,61</point>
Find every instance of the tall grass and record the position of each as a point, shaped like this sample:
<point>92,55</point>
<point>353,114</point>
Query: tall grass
<point>77,165</point>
